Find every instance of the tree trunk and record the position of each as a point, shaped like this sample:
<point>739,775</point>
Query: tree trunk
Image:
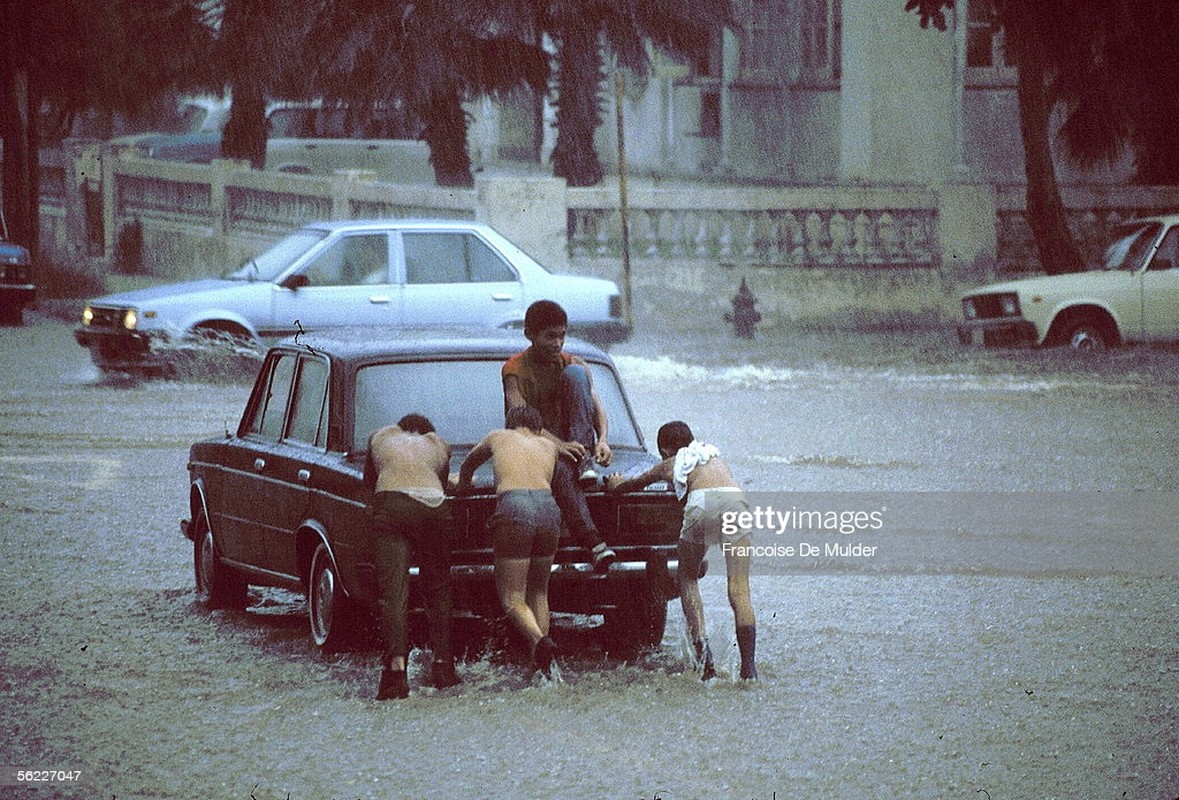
<point>245,130</point>
<point>446,135</point>
<point>578,79</point>
<point>18,130</point>
<point>1045,210</point>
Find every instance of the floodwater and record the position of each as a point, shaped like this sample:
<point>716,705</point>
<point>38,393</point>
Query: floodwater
<point>975,681</point>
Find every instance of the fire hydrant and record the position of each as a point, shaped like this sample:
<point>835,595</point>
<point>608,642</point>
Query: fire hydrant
<point>743,316</point>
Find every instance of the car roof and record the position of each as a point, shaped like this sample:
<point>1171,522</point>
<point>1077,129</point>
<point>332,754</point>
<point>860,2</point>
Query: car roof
<point>1166,219</point>
<point>332,226</point>
<point>358,344</point>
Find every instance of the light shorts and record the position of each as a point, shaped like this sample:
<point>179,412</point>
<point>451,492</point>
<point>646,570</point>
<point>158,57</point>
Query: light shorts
<point>704,512</point>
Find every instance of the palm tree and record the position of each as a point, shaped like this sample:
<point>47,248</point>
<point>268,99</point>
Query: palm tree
<point>258,54</point>
<point>1127,93</point>
<point>116,56</point>
<point>580,28</point>
<point>431,56</point>
<point>1114,66</point>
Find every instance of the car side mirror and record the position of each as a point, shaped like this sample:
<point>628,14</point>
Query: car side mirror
<point>296,282</point>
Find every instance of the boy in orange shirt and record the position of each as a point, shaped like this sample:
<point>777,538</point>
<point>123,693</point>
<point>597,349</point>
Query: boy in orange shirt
<point>559,386</point>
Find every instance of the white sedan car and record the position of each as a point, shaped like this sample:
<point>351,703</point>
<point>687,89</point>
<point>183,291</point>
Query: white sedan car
<point>380,273</point>
<point>1132,297</point>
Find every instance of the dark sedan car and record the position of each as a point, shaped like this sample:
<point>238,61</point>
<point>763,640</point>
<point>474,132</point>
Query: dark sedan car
<point>281,501</point>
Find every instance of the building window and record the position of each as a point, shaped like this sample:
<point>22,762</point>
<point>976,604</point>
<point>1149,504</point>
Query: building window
<point>789,41</point>
<point>766,40</point>
<point>986,56</point>
<point>706,64</point>
<point>820,51</point>
<point>710,115</point>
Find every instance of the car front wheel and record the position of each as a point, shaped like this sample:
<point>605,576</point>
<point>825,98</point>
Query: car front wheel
<point>327,607</point>
<point>217,586</point>
<point>1088,336</point>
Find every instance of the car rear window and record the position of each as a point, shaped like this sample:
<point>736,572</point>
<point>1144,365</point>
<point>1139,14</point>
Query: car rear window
<point>464,399</point>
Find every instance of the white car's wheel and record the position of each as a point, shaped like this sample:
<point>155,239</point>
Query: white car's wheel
<point>1088,336</point>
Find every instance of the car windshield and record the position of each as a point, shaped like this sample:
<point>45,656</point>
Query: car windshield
<point>275,261</point>
<point>1130,245</point>
<point>464,399</point>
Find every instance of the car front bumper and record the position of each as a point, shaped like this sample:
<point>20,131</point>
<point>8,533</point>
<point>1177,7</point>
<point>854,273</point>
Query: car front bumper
<point>114,349</point>
<point>998,331</point>
<point>17,294</point>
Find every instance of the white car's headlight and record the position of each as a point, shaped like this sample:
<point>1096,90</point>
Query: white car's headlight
<point>130,319</point>
<point>968,309</point>
<point>87,315</point>
<point>1009,305</point>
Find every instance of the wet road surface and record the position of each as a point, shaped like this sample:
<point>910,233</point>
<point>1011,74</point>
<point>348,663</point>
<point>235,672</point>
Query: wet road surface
<point>974,682</point>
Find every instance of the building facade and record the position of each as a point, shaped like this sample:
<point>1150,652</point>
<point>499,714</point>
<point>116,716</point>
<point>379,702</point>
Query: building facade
<point>805,92</point>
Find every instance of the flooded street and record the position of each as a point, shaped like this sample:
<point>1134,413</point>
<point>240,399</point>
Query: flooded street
<point>982,681</point>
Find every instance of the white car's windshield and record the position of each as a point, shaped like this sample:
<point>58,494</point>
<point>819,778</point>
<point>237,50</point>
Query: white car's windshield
<point>272,263</point>
<point>1130,245</point>
<point>464,399</point>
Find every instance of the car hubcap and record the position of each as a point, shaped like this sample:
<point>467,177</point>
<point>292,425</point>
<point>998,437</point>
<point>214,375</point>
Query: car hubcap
<point>323,597</point>
<point>1086,340</point>
<point>205,567</point>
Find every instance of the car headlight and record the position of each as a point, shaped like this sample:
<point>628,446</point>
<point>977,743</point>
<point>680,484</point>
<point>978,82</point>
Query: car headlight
<point>130,319</point>
<point>1009,305</point>
<point>87,315</point>
<point>968,309</point>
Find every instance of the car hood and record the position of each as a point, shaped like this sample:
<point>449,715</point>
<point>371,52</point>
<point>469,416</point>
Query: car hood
<point>629,461</point>
<point>1046,284</point>
<point>188,289</point>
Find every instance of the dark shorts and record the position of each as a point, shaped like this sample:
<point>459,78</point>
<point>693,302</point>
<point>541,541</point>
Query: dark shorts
<point>526,524</point>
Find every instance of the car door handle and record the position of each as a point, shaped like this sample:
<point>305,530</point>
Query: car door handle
<point>259,464</point>
<point>304,475</point>
<point>380,298</point>
<point>502,296</point>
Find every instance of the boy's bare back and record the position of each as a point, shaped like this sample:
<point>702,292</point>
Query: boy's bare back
<point>521,459</point>
<point>408,460</point>
<point>713,474</point>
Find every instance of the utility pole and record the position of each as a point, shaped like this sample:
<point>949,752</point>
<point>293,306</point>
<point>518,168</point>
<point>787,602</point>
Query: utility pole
<point>622,201</point>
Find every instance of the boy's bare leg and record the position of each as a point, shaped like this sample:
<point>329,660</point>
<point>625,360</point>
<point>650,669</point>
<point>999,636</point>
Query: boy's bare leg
<point>737,570</point>
<point>693,606</point>
<point>537,593</point>
<point>690,556</point>
<point>511,581</point>
<point>537,598</point>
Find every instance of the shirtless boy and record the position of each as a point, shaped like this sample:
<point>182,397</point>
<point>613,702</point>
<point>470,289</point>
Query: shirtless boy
<point>704,483</point>
<point>526,523</point>
<point>406,470</point>
<point>560,387</point>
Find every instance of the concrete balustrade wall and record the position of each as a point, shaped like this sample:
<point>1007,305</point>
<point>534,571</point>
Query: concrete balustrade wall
<point>854,255</point>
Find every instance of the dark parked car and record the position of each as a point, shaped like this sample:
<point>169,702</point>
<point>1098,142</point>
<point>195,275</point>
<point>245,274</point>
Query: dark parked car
<point>281,500</point>
<point>16,279</point>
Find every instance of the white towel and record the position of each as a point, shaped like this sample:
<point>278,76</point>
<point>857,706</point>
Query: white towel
<point>686,460</point>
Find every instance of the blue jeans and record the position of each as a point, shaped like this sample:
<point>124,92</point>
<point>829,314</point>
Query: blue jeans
<point>576,424</point>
